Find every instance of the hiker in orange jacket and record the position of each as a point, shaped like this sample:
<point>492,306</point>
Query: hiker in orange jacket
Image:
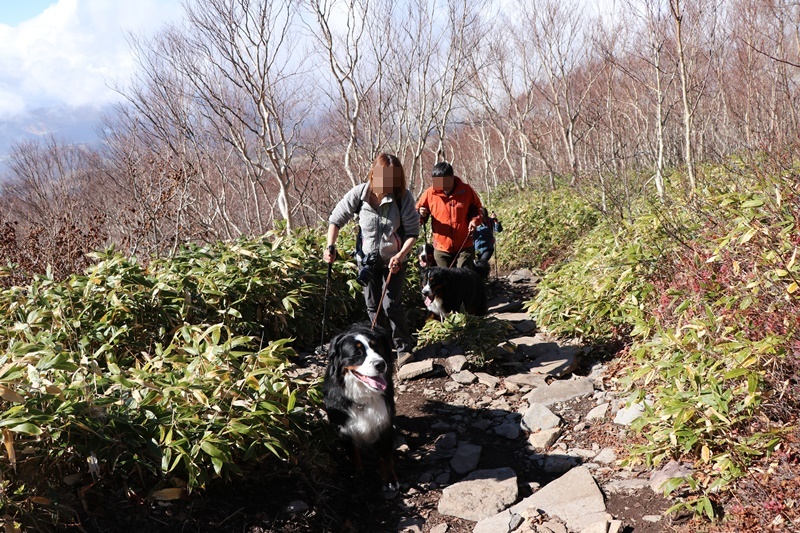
<point>456,211</point>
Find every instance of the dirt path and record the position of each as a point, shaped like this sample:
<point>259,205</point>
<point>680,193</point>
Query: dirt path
<point>445,411</point>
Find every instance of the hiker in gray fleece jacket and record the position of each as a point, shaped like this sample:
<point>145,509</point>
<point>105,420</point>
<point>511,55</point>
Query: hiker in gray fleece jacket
<point>389,227</point>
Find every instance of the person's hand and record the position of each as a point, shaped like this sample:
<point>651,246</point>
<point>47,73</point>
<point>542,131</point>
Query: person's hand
<point>329,255</point>
<point>423,215</point>
<point>395,262</point>
<point>472,226</point>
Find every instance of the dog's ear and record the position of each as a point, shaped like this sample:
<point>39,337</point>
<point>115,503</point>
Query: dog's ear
<point>334,360</point>
<point>385,341</point>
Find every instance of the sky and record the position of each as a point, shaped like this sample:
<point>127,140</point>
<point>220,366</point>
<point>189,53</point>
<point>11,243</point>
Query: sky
<point>70,52</point>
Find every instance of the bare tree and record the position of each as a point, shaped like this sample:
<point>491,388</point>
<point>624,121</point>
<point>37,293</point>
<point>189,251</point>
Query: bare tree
<point>355,51</point>
<point>232,73</point>
<point>556,28</point>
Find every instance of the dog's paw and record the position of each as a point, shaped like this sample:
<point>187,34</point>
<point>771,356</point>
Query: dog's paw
<point>391,490</point>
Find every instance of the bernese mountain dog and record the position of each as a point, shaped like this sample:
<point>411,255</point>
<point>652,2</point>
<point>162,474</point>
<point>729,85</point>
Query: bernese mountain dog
<point>448,290</point>
<point>359,396</point>
<point>426,255</point>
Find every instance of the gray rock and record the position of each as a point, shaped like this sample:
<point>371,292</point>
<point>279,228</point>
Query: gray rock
<point>526,379</point>
<point>597,527</point>
<point>538,417</point>
<point>509,430</point>
<point>598,413</point>
<point>606,455</point>
<point>551,527</point>
<point>415,369</point>
<point>543,439</point>
<point>466,458</point>
<point>626,415</point>
<point>513,317</point>
<point>503,522</point>
<point>439,528</point>
<point>561,391</point>
<point>556,464</point>
<point>480,495</point>
<point>483,424</point>
<point>522,275</point>
<point>625,485</point>
<point>487,379</point>
<point>502,304</point>
<point>574,498</point>
<point>535,346</point>
<point>448,441</point>
<point>556,363</point>
<point>615,526</point>
<point>465,377</point>
<point>455,363</point>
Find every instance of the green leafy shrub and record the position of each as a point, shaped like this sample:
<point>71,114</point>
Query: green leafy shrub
<point>478,336</point>
<point>721,340</point>
<point>175,373</point>
<point>539,229</point>
<point>603,292</point>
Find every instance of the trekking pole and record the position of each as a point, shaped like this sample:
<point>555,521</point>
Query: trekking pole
<point>325,304</point>
<point>496,254</point>
<point>380,302</point>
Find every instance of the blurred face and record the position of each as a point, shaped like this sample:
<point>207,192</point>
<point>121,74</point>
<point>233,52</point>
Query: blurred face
<point>443,183</point>
<point>385,179</point>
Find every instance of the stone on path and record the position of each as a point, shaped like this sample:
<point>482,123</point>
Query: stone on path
<point>545,438</point>
<point>503,522</point>
<point>487,379</point>
<point>526,379</point>
<point>627,415</point>
<point>416,369</point>
<point>522,275</point>
<point>539,417</point>
<point>521,321</point>
<point>466,458</point>
<point>502,304</point>
<point>509,430</point>
<point>547,357</point>
<point>606,455</point>
<point>465,377</point>
<point>482,494</point>
<point>575,498</point>
<point>598,413</point>
<point>455,363</point>
<point>561,391</point>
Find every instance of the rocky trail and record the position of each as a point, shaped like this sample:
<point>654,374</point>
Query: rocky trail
<point>530,443</point>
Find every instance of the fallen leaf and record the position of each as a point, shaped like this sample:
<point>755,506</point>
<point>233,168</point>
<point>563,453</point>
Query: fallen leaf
<point>169,494</point>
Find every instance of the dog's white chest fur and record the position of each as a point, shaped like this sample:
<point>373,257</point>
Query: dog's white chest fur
<point>369,416</point>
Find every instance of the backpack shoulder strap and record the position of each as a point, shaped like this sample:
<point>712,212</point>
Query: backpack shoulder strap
<point>360,200</point>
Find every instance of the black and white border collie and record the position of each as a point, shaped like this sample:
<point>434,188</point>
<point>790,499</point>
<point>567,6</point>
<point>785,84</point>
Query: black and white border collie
<point>359,395</point>
<point>448,290</point>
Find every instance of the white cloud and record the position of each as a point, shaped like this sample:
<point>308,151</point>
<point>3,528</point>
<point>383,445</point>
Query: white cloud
<point>73,51</point>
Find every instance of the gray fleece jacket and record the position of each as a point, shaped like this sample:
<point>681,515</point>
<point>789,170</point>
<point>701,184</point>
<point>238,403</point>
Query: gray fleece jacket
<point>378,228</point>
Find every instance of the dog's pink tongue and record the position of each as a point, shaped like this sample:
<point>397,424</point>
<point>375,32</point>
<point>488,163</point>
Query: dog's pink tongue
<point>376,383</point>
<point>428,301</point>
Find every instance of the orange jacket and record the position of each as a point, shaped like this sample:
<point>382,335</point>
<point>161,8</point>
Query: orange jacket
<point>451,214</point>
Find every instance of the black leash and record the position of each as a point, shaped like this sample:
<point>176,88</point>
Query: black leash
<point>325,304</point>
